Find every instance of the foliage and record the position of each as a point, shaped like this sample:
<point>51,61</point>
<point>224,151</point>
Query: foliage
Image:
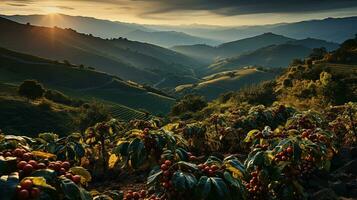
<point>31,89</point>
<point>92,113</point>
<point>59,97</point>
<point>189,103</point>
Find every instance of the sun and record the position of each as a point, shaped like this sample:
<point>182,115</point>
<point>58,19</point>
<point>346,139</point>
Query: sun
<point>51,10</point>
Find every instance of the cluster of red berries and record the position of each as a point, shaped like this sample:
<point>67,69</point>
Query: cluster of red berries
<point>315,137</point>
<point>255,186</point>
<point>26,190</point>
<point>130,195</point>
<point>304,122</point>
<point>307,166</point>
<point>209,170</point>
<point>165,167</point>
<point>26,168</point>
<point>284,155</point>
<point>20,154</point>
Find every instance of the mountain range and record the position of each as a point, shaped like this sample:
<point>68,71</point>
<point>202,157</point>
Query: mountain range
<point>140,62</point>
<point>113,29</point>
<point>209,54</point>
<point>330,29</point>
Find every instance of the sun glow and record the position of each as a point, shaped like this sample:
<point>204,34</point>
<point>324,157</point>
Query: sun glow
<point>51,10</point>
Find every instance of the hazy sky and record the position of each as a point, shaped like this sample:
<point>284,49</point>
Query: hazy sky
<point>214,12</point>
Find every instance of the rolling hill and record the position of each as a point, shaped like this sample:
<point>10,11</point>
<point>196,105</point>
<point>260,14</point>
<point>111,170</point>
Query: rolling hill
<point>140,62</point>
<point>213,85</point>
<point>112,29</point>
<point>270,56</point>
<point>81,83</point>
<point>315,43</point>
<point>234,48</point>
<point>208,54</point>
<point>21,116</point>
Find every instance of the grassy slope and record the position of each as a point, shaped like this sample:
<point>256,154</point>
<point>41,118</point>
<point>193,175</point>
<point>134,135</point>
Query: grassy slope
<point>212,86</point>
<point>18,116</point>
<point>271,56</point>
<point>85,84</point>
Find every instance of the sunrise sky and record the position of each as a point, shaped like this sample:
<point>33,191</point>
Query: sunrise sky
<point>175,12</point>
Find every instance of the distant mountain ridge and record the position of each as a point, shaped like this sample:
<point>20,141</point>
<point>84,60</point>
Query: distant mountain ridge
<point>141,62</point>
<point>329,29</point>
<point>168,38</point>
<point>207,54</point>
<point>89,25</point>
<point>112,29</point>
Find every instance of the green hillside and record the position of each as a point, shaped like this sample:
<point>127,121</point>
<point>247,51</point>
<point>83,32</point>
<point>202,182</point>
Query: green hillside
<point>271,56</point>
<point>212,86</point>
<point>21,116</point>
<point>130,60</point>
<point>81,83</point>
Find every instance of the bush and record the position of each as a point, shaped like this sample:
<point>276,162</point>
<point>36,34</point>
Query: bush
<point>59,97</point>
<point>31,89</point>
<point>262,93</point>
<point>189,103</point>
<point>91,114</point>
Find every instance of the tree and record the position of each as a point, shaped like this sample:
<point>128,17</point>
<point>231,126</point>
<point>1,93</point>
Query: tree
<point>31,89</point>
<point>297,61</point>
<point>318,53</point>
<point>91,114</point>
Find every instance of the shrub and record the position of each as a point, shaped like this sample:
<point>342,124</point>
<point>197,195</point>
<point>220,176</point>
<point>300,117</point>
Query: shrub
<point>189,103</point>
<point>31,89</point>
<point>57,97</point>
<point>91,114</point>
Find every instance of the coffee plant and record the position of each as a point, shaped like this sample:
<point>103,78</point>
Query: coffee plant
<point>248,152</point>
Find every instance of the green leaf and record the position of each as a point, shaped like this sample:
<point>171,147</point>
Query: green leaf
<point>7,165</point>
<point>187,165</point>
<point>232,181</point>
<point>121,149</point>
<point>48,174</point>
<point>220,187</point>
<point>73,192</point>
<point>203,188</point>
<point>8,185</point>
<point>213,159</point>
<point>154,175</point>
<point>183,181</point>
<point>79,150</point>
<point>137,153</point>
<point>256,160</point>
<point>182,153</point>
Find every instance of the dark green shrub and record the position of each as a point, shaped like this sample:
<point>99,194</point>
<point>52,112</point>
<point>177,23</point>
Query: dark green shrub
<point>31,89</point>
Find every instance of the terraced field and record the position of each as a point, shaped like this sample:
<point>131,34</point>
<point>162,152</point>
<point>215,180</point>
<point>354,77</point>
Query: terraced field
<point>126,114</point>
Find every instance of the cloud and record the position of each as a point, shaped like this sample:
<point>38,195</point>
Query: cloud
<point>241,7</point>
<point>17,4</point>
<point>65,7</point>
